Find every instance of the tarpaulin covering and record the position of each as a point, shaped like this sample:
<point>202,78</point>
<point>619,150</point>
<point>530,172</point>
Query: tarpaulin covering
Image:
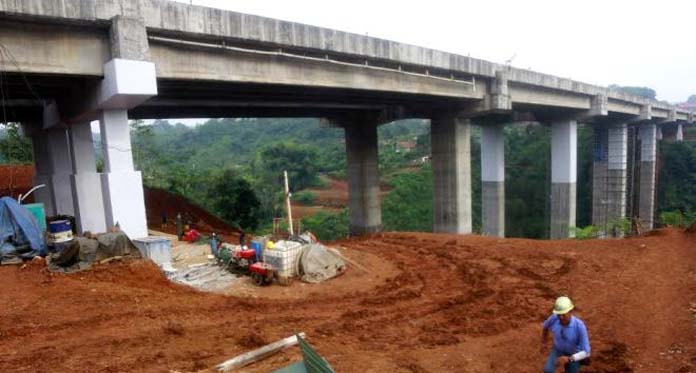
<point>82,252</point>
<point>19,228</point>
<point>319,263</point>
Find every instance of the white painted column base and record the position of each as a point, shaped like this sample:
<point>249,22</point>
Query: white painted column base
<point>89,205</point>
<point>124,202</point>
<point>564,148</point>
<point>493,180</point>
<point>680,132</point>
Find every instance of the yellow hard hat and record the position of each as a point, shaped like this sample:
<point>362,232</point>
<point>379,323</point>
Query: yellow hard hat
<point>270,245</point>
<point>563,305</point>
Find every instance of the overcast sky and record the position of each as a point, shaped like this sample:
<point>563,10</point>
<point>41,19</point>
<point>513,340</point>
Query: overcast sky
<point>639,43</point>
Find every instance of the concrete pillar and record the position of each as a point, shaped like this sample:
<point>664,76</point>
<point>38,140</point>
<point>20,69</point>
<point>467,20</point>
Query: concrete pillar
<point>61,169</point>
<point>451,163</point>
<point>363,178</point>
<point>680,132</point>
<point>42,172</point>
<point>493,180</point>
<point>564,149</point>
<point>609,176</point>
<point>646,197</point>
<point>85,181</point>
<point>122,186</point>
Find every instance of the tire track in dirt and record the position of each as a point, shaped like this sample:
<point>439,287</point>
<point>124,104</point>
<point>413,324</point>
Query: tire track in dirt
<point>453,303</point>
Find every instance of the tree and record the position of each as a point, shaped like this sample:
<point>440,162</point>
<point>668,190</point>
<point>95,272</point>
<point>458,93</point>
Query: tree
<point>691,99</point>
<point>234,200</point>
<point>14,147</point>
<point>298,160</point>
<point>409,206</point>
<point>677,185</point>
<point>527,156</point>
<point>328,225</point>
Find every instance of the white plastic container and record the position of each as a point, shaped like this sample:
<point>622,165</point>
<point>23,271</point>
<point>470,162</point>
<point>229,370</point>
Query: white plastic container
<point>284,257</point>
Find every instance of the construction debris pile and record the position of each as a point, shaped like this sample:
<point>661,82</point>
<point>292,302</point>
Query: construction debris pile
<point>268,261</point>
<point>23,236</point>
<point>82,252</point>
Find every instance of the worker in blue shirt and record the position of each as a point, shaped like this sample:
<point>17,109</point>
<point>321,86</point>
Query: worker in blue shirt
<point>571,345</point>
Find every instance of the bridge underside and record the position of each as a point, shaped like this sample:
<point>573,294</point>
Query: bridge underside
<point>26,94</point>
<point>196,99</point>
<point>63,67</point>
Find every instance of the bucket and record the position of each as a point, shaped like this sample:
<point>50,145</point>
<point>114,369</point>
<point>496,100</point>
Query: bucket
<point>59,231</point>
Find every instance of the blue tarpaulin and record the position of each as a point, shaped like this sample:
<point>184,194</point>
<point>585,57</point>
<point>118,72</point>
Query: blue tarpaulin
<point>19,227</point>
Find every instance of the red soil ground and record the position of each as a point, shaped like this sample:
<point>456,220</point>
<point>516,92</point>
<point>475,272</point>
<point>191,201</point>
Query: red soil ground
<point>424,303</point>
<point>335,195</point>
<point>333,198</point>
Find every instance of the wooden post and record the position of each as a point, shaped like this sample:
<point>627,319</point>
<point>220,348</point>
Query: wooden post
<point>258,354</point>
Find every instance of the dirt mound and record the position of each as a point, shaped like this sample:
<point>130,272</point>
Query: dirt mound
<point>450,304</point>
<point>691,228</point>
<point>335,195</point>
<point>16,180</point>
<point>161,203</point>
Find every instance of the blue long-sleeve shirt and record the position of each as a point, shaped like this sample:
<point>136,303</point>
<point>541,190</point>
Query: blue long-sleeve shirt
<point>568,339</point>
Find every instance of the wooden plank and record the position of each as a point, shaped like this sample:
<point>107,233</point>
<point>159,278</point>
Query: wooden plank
<point>258,354</point>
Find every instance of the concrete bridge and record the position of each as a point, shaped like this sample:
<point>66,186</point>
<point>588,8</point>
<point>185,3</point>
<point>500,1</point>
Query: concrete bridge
<point>68,62</point>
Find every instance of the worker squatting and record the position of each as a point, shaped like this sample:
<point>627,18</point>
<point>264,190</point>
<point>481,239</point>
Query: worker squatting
<point>571,344</point>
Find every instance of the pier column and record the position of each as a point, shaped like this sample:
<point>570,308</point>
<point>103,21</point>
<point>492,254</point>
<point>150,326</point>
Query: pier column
<point>363,177</point>
<point>122,186</point>
<point>42,167</point>
<point>564,149</point>
<point>609,177</point>
<point>85,181</point>
<point>61,169</point>
<point>680,132</point>
<point>451,164</point>
<point>646,197</point>
<point>493,180</point>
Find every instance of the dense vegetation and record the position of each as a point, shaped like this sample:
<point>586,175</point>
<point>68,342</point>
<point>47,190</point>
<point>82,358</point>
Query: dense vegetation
<point>677,186</point>
<point>14,147</point>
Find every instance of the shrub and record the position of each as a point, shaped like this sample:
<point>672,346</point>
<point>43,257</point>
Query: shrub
<point>585,233</point>
<point>673,219</point>
<point>328,226</point>
<point>305,198</point>
<point>619,227</point>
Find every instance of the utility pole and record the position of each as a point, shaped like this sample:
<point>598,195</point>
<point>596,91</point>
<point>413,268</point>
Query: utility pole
<point>287,203</point>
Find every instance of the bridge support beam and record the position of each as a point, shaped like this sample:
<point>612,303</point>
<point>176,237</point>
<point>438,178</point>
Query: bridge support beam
<point>451,163</point>
<point>122,186</point>
<point>646,196</point>
<point>85,181</point>
<point>363,178</point>
<point>609,177</point>
<point>61,169</point>
<point>564,150</point>
<point>493,180</point>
